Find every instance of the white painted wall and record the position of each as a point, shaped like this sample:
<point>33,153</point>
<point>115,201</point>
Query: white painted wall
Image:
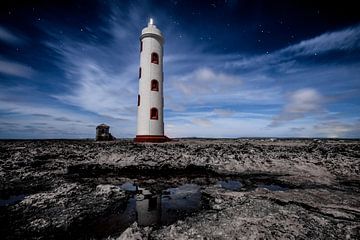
<point>152,42</point>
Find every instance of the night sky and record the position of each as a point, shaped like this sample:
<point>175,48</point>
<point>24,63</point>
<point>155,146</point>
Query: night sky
<point>231,68</point>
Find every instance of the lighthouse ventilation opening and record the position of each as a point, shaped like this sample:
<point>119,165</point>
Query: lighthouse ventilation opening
<point>155,58</point>
<point>154,114</point>
<point>154,85</point>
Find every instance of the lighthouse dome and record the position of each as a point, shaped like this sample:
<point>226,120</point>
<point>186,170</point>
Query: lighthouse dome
<point>151,31</point>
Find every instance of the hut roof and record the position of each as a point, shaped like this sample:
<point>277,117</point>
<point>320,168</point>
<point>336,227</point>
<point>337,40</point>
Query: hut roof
<point>102,126</point>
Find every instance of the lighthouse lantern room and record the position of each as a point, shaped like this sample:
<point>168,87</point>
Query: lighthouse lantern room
<point>150,123</point>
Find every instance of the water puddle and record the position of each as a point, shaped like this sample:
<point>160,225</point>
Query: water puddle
<point>179,202</point>
<point>151,209</point>
<point>129,187</point>
<point>234,185</point>
<point>156,207</point>
<point>12,200</point>
<point>148,209</point>
<point>249,185</point>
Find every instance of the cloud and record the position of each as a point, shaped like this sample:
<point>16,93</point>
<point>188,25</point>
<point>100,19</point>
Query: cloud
<point>297,129</point>
<point>207,75</point>
<point>223,112</point>
<point>344,40</point>
<point>224,127</point>
<point>15,69</point>
<point>102,77</point>
<point>263,79</point>
<point>336,129</point>
<point>63,119</point>
<point>10,38</point>
<point>267,80</point>
<point>203,122</point>
<point>300,104</point>
<point>204,81</point>
<point>101,92</point>
<point>40,115</point>
<point>23,114</point>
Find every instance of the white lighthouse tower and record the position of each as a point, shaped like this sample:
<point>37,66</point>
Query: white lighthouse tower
<point>150,122</point>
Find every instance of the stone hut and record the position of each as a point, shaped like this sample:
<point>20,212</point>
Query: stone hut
<point>103,134</point>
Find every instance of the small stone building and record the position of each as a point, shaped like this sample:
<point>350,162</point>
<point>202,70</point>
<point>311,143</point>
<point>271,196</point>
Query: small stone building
<point>103,134</point>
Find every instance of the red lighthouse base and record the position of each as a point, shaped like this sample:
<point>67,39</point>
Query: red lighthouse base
<point>151,138</point>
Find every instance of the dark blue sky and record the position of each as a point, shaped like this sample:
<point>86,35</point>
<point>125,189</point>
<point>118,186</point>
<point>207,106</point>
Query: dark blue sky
<point>232,68</point>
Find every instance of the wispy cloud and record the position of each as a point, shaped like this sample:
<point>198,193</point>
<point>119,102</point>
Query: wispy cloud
<point>102,78</point>
<point>9,37</point>
<point>223,112</point>
<point>102,93</point>
<point>203,122</point>
<point>22,114</point>
<point>343,40</point>
<point>15,69</point>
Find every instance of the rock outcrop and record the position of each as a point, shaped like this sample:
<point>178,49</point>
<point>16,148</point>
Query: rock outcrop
<point>70,189</point>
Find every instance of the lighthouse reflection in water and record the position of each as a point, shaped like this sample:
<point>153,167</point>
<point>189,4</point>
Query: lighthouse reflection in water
<point>148,209</point>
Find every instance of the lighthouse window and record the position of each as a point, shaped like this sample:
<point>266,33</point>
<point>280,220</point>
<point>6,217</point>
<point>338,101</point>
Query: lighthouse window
<point>139,100</point>
<point>154,85</point>
<point>139,72</point>
<point>155,58</point>
<point>154,114</point>
<point>141,46</point>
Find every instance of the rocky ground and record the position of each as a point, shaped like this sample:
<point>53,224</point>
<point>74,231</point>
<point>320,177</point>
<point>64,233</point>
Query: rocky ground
<point>68,189</point>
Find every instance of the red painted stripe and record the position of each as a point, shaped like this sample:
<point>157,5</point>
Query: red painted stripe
<point>151,138</point>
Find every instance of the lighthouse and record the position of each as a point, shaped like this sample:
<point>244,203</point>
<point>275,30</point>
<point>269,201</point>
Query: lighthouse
<point>150,101</point>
